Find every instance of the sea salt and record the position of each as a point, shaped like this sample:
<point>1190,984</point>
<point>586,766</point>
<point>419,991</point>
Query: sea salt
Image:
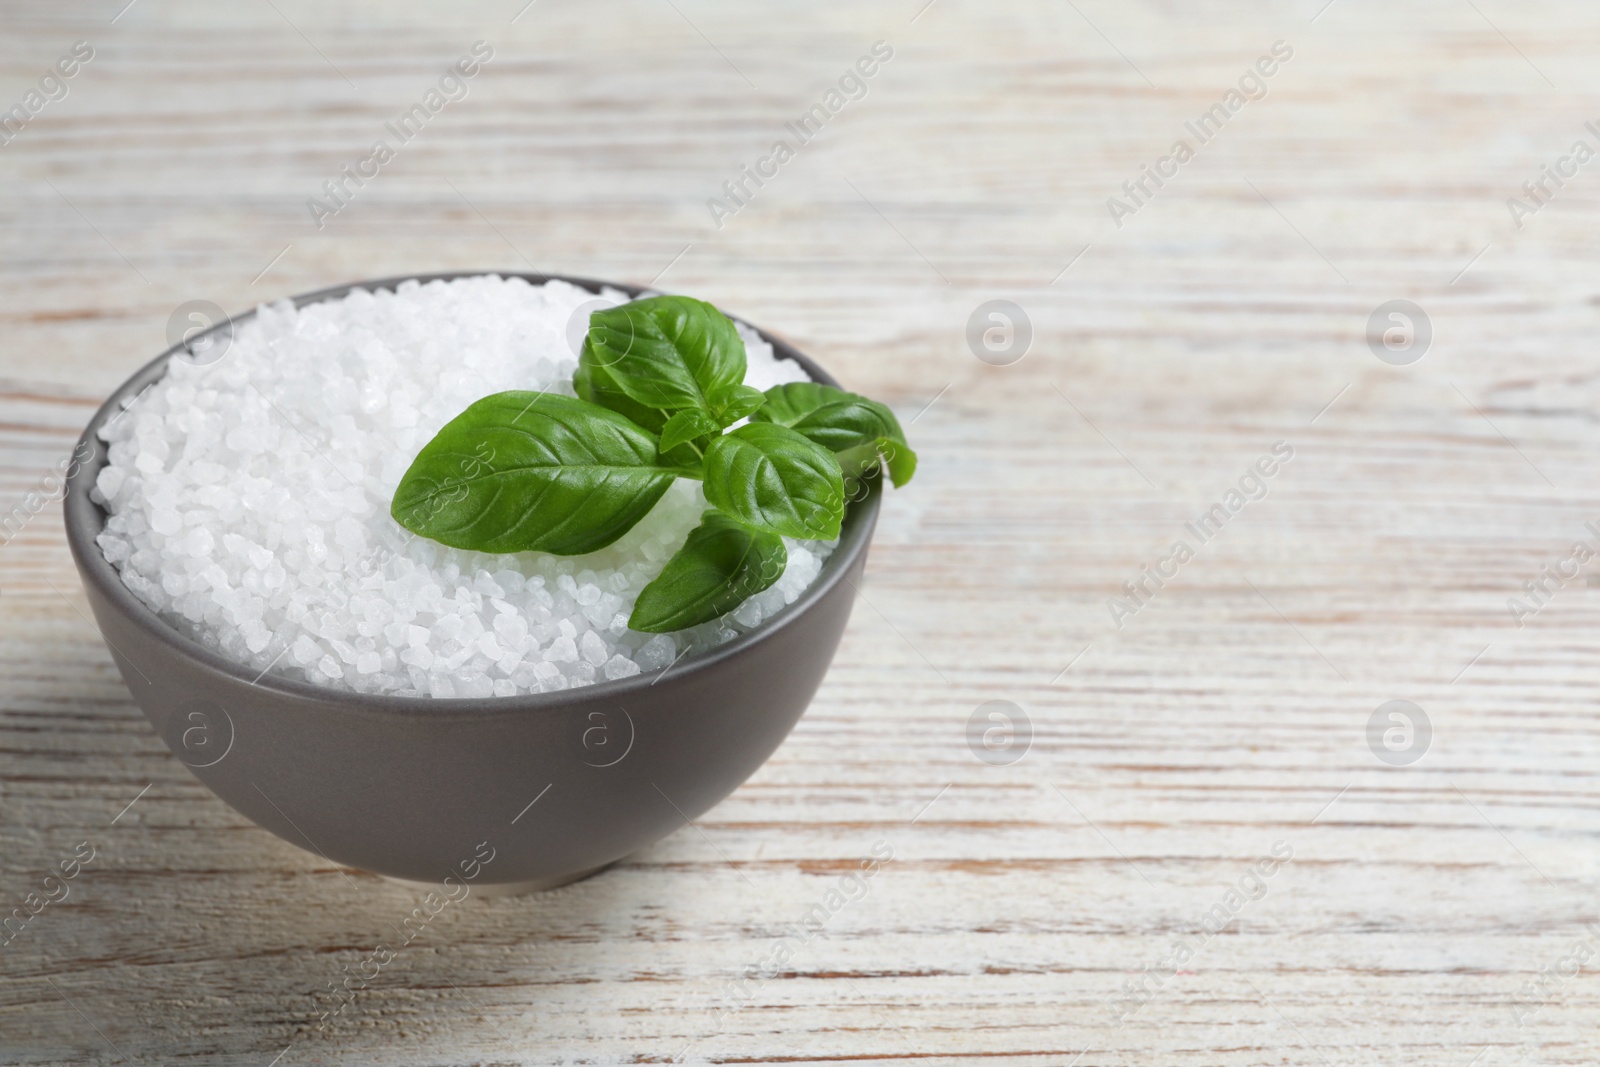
<point>249,503</point>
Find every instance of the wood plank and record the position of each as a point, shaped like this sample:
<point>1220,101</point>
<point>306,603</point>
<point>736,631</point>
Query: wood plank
<point>1169,754</point>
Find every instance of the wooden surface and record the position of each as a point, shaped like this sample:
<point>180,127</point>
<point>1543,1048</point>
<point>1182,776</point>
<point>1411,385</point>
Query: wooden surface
<point>1228,715</point>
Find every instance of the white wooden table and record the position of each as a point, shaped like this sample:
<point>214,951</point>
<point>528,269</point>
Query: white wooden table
<point>1228,717</point>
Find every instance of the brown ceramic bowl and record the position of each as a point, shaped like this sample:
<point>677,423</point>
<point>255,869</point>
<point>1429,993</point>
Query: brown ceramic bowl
<point>522,793</point>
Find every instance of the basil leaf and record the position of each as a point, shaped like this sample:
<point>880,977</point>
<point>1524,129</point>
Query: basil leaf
<point>772,478</point>
<point>734,402</point>
<point>717,569</point>
<point>898,457</point>
<point>840,422</point>
<point>881,452</point>
<point>686,426</point>
<point>831,417</point>
<point>594,384</point>
<point>666,352</point>
<point>522,471</point>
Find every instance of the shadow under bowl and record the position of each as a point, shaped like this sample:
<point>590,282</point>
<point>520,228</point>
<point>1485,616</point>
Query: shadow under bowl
<point>523,792</point>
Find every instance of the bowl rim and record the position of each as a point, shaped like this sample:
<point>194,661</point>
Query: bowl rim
<point>85,520</point>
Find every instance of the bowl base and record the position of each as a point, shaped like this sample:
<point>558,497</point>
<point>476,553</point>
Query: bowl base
<point>493,890</point>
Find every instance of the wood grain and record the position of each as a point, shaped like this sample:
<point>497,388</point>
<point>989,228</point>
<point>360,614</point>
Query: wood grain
<point>1168,755</point>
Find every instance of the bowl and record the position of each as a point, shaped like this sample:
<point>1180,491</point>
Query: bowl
<point>518,793</point>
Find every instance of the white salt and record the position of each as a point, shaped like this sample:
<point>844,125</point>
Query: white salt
<point>249,504</point>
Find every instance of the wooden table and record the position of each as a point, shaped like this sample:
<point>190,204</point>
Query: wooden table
<point>1225,719</point>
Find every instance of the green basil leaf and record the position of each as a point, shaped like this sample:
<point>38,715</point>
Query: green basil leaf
<point>721,565</point>
<point>666,352</point>
<point>840,422</point>
<point>733,402</point>
<point>594,384</point>
<point>898,457</point>
<point>686,426</point>
<point>522,471</point>
<point>881,452</point>
<point>831,417</point>
<point>772,478</point>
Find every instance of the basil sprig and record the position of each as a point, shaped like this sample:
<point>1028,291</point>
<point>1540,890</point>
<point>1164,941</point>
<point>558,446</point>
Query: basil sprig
<point>659,382</point>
